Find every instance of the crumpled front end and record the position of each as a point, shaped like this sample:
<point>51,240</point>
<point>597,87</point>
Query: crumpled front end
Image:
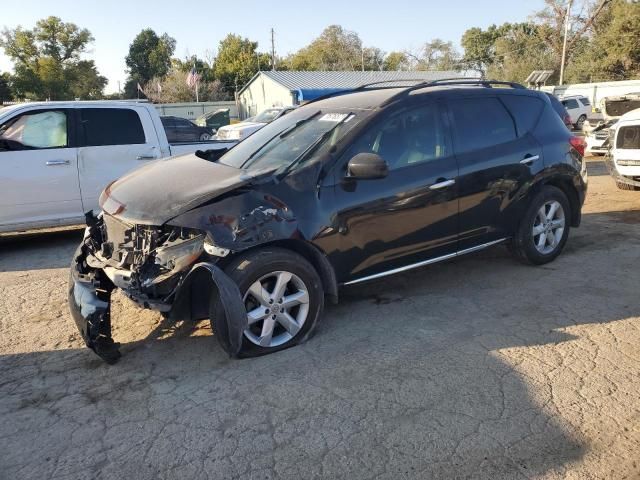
<point>154,266</point>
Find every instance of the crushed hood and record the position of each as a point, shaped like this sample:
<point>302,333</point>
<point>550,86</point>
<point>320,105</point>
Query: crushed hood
<point>159,191</point>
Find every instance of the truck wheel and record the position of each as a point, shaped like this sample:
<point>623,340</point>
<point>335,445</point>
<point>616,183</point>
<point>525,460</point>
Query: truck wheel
<point>544,229</point>
<point>283,297</point>
<point>626,186</point>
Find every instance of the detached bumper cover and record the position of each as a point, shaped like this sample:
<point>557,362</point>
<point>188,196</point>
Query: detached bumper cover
<point>90,304</point>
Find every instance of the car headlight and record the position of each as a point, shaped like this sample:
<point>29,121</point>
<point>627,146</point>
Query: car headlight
<point>176,257</point>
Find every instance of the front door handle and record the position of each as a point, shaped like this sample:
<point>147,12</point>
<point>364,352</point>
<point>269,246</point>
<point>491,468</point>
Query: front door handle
<point>146,157</point>
<point>442,184</point>
<point>529,159</point>
<point>52,163</point>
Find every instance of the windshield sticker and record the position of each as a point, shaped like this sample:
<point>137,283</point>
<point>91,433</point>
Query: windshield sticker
<point>333,117</point>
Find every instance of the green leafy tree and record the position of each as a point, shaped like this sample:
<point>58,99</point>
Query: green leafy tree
<point>5,87</point>
<point>204,68</point>
<point>435,55</point>
<point>396,61</point>
<point>480,47</point>
<point>335,49</point>
<point>149,56</point>
<point>47,61</point>
<point>238,60</point>
<point>612,51</point>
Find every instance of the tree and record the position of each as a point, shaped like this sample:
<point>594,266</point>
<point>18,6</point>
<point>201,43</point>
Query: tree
<point>47,61</point>
<point>480,47</point>
<point>335,49</point>
<point>612,51</point>
<point>149,56</point>
<point>204,68</point>
<point>174,88</point>
<point>435,55</point>
<point>396,61</point>
<point>5,87</point>
<point>238,60</point>
<point>581,19</point>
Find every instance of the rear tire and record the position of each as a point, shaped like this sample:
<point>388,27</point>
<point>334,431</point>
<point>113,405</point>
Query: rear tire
<point>275,323</point>
<point>580,122</point>
<point>544,229</point>
<point>205,137</point>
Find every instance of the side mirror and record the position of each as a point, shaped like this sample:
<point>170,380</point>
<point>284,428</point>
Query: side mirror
<point>367,166</point>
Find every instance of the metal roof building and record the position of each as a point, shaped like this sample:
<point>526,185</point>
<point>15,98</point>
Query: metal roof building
<point>282,88</point>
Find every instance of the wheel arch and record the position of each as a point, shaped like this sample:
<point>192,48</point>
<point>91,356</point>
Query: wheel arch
<point>311,253</point>
<point>567,187</point>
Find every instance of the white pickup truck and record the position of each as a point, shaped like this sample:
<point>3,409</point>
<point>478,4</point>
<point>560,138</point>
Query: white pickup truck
<point>57,157</point>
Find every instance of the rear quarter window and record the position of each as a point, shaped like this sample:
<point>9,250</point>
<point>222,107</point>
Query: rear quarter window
<point>111,126</point>
<point>525,110</point>
<point>628,137</point>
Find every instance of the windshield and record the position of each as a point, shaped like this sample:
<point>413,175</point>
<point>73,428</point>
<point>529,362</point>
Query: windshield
<point>282,142</point>
<point>267,116</point>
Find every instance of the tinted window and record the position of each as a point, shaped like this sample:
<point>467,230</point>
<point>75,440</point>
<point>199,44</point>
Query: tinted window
<point>525,110</point>
<point>111,126</point>
<point>480,123</point>
<point>585,101</point>
<point>35,130</point>
<point>570,103</point>
<point>406,139</point>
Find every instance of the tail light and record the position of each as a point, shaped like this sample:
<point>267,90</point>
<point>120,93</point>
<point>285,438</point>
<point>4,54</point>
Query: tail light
<point>578,144</point>
<point>567,120</point>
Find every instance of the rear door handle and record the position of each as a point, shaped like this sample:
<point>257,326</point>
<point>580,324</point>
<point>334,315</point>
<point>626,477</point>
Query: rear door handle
<point>529,160</point>
<point>52,163</point>
<point>443,184</point>
<point>146,157</point>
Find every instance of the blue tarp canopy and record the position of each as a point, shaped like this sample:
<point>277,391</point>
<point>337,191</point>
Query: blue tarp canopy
<point>306,94</point>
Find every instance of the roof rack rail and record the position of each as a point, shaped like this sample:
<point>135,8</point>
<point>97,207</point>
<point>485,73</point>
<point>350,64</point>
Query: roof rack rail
<point>421,84</point>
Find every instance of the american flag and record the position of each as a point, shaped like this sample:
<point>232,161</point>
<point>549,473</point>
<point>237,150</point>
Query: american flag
<point>193,78</point>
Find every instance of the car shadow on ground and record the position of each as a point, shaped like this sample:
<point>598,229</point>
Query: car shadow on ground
<point>38,250</point>
<point>410,376</point>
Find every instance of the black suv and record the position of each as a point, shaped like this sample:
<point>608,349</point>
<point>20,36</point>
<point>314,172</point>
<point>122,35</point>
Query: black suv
<point>344,189</point>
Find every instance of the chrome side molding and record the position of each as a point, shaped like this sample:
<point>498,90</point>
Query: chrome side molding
<point>425,262</point>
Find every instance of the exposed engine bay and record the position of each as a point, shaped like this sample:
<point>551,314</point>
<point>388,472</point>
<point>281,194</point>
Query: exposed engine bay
<point>153,266</point>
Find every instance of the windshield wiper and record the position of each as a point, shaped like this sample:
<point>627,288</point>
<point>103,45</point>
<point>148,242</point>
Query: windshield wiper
<point>282,134</point>
<point>283,171</point>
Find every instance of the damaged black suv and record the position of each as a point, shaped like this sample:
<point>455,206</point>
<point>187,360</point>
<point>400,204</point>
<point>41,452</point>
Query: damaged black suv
<point>344,189</point>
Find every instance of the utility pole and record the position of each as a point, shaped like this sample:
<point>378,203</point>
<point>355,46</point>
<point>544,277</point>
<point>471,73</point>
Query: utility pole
<point>273,51</point>
<point>362,54</point>
<point>564,43</point>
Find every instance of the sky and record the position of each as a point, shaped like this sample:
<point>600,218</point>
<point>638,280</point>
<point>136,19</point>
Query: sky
<point>198,26</point>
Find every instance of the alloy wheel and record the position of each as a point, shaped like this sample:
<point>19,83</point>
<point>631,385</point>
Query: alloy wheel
<point>277,307</point>
<point>548,227</point>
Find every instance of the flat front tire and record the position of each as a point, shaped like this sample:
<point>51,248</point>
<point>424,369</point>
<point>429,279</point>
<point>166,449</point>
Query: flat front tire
<point>544,229</point>
<point>283,297</point>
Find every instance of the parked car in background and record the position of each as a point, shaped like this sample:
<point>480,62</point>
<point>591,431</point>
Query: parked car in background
<point>560,110</point>
<point>183,130</point>
<point>56,157</point>
<point>242,130</point>
<point>344,189</point>
<point>624,161</point>
<point>579,108</point>
<point>214,120</point>
<point>612,108</point>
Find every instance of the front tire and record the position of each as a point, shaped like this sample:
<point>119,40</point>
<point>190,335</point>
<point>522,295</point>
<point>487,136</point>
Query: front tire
<point>544,229</point>
<point>204,137</point>
<point>283,296</point>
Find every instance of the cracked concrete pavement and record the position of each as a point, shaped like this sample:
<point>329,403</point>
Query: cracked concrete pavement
<point>477,368</point>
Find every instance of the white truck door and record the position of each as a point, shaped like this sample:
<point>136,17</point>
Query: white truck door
<point>38,170</point>
<point>113,141</point>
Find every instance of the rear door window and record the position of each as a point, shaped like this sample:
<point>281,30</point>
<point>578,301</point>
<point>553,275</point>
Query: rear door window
<point>480,123</point>
<point>570,104</point>
<point>111,126</point>
<point>525,110</point>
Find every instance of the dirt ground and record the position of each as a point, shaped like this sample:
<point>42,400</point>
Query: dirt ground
<point>477,368</point>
